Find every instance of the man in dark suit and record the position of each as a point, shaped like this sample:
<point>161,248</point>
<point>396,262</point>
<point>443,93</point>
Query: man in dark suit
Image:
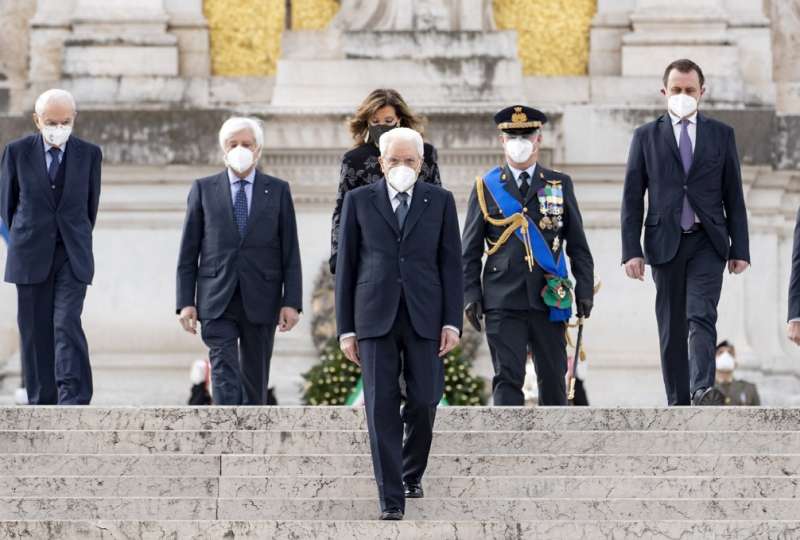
<point>526,294</point>
<point>399,291</point>
<point>793,326</point>
<point>49,194</point>
<point>696,222</point>
<point>239,266</point>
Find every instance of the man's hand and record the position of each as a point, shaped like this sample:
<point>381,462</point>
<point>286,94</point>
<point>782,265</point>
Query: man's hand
<point>288,319</point>
<point>188,319</point>
<point>349,347</point>
<point>474,312</point>
<point>793,331</point>
<point>448,342</point>
<point>736,266</point>
<point>634,268</point>
<point>585,308</point>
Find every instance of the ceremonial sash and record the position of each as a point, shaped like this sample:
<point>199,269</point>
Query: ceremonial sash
<point>3,231</point>
<point>535,244</point>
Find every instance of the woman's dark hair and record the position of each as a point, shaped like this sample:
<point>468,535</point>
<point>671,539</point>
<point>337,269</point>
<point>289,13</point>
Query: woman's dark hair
<point>377,99</point>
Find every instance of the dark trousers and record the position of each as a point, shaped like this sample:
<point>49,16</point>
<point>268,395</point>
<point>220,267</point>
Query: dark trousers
<point>240,353</point>
<point>509,334</point>
<point>688,289</point>
<point>54,352</point>
<point>394,460</point>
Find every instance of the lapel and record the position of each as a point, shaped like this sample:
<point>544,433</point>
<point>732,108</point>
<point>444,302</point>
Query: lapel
<point>224,199</point>
<point>668,135</point>
<point>419,202</point>
<point>700,146</point>
<point>71,174</point>
<point>510,184</point>
<point>259,197</point>
<point>380,198</point>
<point>36,160</point>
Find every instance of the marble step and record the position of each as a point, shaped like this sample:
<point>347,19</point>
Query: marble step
<point>429,508</point>
<point>401,530</point>
<point>301,487</point>
<point>447,418</point>
<point>357,442</point>
<point>360,465</point>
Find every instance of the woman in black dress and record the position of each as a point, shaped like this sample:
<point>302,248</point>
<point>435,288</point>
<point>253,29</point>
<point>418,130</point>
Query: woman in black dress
<point>382,110</point>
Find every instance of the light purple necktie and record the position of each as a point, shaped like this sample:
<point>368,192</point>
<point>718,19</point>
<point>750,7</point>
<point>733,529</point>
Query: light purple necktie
<point>685,148</point>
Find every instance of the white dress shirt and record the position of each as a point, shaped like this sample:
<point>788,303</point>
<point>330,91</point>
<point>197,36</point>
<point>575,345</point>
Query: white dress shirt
<point>516,172</point>
<point>248,186</point>
<point>691,128</point>
<point>395,201</point>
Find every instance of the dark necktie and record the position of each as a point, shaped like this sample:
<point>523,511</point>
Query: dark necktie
<point>685,148</point>
<point>240,208</point>
<point>52,171</point>
<point>523,183</point>
<point>402,209</point>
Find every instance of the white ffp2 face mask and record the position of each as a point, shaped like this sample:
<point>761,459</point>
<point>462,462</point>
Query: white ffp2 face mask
<point>57,135</point>
<point>682,105</point>
<point>519,150</point>
<point>401,178</point>
<point>726,362</point>
<point>239,159</point>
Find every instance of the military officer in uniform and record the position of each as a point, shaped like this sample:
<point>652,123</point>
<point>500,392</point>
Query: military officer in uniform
<point>735,391</point>
<point>525,217</point>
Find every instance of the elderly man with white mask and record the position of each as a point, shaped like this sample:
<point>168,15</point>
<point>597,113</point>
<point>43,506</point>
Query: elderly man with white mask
<point>239,266</point>
<point>49,195</point>
<point>399,291</point>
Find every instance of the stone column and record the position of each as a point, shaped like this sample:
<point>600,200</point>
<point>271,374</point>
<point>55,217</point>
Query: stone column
<point>610,23</point>
<point>189,25</point>
<point>785,16</point>
<point>49,29</point>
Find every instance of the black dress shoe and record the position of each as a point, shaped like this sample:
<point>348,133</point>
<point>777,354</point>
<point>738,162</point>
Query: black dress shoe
<point>393,514</point>
<point>414,491</point>
<point>708,396</point>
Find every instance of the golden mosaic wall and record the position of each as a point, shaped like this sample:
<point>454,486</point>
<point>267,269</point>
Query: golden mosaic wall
<point>553,34</point>
<point>246,34</point>
<point>313,14</point>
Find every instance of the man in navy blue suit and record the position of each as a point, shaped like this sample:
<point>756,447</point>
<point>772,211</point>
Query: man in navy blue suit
<point>239,266</point>
<point>696,224</point>
<point>49,194</point>
<point>399,291</point>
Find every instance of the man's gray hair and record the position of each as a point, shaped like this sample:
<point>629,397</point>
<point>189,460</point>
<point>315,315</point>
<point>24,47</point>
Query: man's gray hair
<point>238,123</point>
<point>402,134</point>
<point>54,94</point>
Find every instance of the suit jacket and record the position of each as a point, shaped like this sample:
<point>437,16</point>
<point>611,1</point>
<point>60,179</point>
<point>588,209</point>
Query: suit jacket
<point>214,259</point>
<point>713,185</point>
<point>377,262</point>
<point>28,206</point>
<point>507,281</point>
<point>794,281</point>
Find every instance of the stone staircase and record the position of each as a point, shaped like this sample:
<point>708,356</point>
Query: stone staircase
<point>297,472</point>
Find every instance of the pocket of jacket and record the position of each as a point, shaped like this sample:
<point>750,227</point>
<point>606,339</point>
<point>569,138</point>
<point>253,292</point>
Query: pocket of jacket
<point>207,271</point>
<point>652,220</point>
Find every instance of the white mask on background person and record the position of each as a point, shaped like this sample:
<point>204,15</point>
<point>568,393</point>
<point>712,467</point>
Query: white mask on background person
<point>239,159</point>
<point>56,135</point>
<point>401,178</point>
<point>726,362</point>
<point>682,105</point>
<point>519,150</point>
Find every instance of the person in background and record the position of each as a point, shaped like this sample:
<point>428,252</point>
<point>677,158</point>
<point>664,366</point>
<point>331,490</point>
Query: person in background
<point>736,391</point>
<point>382,110</point>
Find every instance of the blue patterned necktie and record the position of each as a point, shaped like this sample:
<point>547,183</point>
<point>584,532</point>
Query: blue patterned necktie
<point>685,148</point>
<point>402,209</point>
<point>52,170</point>
<point>240,208</point>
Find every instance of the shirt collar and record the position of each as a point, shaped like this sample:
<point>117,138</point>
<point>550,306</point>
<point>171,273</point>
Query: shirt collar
<point>393,192</point>
<point>48,146</point>
<point>250,178</point>
<point>516,172</point>
<point>676,120</point>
